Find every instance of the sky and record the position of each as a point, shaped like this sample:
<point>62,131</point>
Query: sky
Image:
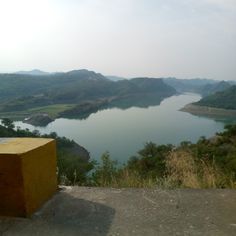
<point>129,38</point>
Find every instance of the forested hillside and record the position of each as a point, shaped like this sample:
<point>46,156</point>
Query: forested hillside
<point>18,85</point>
<point>209,89</point>
<point>188,85</point>
<point>28,94</point>
<point>225,99</point>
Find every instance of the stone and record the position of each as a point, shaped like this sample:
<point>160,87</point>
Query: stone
<point>27,175</point>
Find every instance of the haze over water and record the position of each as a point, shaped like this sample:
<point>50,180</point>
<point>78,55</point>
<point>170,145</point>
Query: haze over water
<point>124,132</point>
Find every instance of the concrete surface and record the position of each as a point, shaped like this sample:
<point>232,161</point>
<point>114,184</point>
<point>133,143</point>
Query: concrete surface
<point>104,211</point>
<point>4,140</point>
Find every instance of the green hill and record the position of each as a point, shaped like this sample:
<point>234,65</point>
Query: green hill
<point>209,89</point>
<point>188,85</point>
<point>24,95</point>
<point>18,85</point>
<point>225,99</point>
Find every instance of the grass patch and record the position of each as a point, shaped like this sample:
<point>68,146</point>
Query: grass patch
<point>15,116</point>
<point>52,110</point>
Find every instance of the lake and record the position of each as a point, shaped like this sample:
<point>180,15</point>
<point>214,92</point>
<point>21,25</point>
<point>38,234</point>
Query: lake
<point>124,132</point>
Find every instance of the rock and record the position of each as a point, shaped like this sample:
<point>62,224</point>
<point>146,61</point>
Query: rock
<point>77,150</point>
<point>39,119</point>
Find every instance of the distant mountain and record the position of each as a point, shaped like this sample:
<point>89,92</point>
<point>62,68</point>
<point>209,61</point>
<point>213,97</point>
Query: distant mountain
<point>115,78</point>
<point>225,99</point>
<point>23,92</point>
<point>138,92</point>
<point>188,85</point>
<point>232,82</point>
<point>153,85</point>
<point>32,72</point>
<point>82,75</point>
<point>17,85</point>
<point>209,89</point>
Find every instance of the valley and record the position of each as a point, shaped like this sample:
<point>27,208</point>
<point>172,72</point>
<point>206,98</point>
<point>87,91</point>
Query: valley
<point>33,95</point>
<point>75,93</point>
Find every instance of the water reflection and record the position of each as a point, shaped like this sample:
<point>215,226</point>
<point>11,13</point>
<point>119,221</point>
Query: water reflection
<point>124,103</point>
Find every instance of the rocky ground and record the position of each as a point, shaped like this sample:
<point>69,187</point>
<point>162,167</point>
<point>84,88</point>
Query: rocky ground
<point>106,211</point>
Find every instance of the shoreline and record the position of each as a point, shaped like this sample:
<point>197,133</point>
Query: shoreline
<point>208,111</point>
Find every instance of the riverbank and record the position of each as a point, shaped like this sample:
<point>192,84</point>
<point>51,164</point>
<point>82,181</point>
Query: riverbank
<point>208,111</point>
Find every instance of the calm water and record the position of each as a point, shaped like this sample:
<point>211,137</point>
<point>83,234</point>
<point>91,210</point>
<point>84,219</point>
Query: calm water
<point>124,132</point>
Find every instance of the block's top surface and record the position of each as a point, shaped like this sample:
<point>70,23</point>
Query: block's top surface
<point>3,140</point>
<point>21,145</point>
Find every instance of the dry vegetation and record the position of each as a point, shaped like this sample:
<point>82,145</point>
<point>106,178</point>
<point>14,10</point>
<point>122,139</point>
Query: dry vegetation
<point>182,171</point>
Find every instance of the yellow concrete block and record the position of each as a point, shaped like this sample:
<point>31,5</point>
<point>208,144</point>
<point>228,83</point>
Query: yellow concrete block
<point>27,174</point>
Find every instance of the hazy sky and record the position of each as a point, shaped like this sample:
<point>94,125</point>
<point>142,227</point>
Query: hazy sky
<point>182,38</point>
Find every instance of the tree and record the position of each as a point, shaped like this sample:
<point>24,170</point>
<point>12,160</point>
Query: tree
<point>8,123</point>
<point>106,171</point>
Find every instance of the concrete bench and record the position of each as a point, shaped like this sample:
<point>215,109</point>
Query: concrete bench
<point>27,174</point>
